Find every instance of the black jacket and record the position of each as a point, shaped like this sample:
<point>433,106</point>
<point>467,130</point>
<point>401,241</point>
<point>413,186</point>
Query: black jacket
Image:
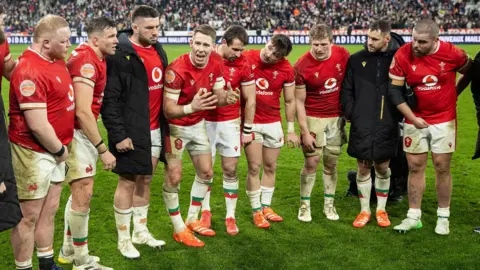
<point>10,213</point>
<point>374,131</point>
<point>125,110</point>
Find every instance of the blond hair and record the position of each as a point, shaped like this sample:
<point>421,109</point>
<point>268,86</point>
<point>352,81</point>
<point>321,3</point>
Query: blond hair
<point>47,26</point>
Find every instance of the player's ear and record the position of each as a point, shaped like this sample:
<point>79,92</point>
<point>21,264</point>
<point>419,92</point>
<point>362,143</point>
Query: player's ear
<point>135,28</point>
<point>191,42</point>
<point>388,38</point>
<point>224,42</point>
<point>46,43</point>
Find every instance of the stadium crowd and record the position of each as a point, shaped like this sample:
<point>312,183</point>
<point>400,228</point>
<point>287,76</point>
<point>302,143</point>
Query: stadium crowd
<point>251,14</point>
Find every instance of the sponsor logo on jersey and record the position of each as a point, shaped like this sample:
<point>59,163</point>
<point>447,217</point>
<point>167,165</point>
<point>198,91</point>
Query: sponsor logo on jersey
<point>262,83</point>
<point>70,92</point>
<point>430,82</point>
<point>156,74</point>
<point>27,88</point>
<point>87,71</point>
<point>330,83</point>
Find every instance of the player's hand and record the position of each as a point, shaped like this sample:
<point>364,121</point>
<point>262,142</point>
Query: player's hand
<point>232,95</point>
<point>204,101</point>
<point>419,123</point>
<point>292,140</point>
<point>308,141</point>
<point>108,160</point>
<point>63,157</point>
<point>247,139</point>
<point>124,146</point>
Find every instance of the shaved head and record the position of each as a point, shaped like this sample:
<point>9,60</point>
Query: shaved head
<point>48,27</point>
<point>427,27</point>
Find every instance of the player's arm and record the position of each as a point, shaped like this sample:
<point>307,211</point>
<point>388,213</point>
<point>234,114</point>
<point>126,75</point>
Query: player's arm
<point>347,94</point>
<point>248,94</point>
<point>300,96</point>
<point>37,121</point>
<point>8,67</point>
<point>395,90</point>
<point>289,98</point>
<point>201,102</point>
<point>465,76</point>
<point>83,89</point>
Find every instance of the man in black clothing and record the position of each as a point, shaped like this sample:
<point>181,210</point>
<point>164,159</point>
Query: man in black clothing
<point>374,132</point>
<point>135,124</point>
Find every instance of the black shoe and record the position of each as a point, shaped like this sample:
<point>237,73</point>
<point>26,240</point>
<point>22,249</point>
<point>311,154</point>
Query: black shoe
<point>477,230</point>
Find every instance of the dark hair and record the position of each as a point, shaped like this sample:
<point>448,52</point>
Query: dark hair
<point>282,44</point>
<point>2,10</point>
<point>206,30</point>
<point>144,11</point>
<point>99,24</point>
<point>320,31</point>
<point>384,26</point>
<point>236,32</point>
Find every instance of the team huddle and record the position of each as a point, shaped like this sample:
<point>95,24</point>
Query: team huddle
<point>218,99</point>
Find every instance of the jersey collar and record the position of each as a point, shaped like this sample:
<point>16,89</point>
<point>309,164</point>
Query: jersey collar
<point>40,55</point>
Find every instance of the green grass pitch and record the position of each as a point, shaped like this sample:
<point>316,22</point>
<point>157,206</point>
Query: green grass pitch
<point>321,244</point>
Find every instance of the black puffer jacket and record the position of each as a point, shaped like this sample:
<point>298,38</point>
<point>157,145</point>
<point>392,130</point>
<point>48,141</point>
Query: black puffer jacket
<point>374,131</point>
<point>125,110</point>
<point>10,213</point>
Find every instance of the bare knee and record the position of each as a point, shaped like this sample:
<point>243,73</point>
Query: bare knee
<point>270,168</point>
<point>382,169</point>
<point>147,180</point>
<point>442,167</point>
<point>206,173</point>
<point>174,176</point>
<point>254,168</point>
<point>364,169</point>
<point>416,166</point>
<point>230,170</point>
<point>311,164</point>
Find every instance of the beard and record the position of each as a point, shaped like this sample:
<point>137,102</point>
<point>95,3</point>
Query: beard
<point>145,41</point>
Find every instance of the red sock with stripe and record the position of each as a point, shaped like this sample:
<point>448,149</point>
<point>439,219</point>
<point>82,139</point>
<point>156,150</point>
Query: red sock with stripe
<point>197,194</point>
<point>170,197</point>
<point>230,191</point>
<point>79,227</point>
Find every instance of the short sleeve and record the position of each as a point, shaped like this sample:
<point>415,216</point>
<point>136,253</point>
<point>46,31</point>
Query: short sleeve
<point>247,76</point>
<point>173,84</point>
<point>30,91</point>
<point>396,71</point>
<point>299,77</point>
<point>219,80</point>
<point>290,77</point>
<point>460,58</point>
<point>82,69</point>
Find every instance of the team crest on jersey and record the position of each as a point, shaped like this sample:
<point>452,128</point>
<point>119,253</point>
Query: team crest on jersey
<point>414,67</point>
<point>442,66</point>
<point>339,67</point>
<point>170,76</point>
<point>262,83</point>
<point>430,80</point>
<point>316,74</point>
<point>275,73</point>
<point>253,67</point>
<point>58,79</point>
<point>156,74</point>
<point>330,83</point>
<point>27,88</point>
<point>192,82</point>
<point>70,92</point>
<point>211,77</point>
<point>232,70</point>
<point>87,71</point>
<point>408,141</point>
<point>178,144</point>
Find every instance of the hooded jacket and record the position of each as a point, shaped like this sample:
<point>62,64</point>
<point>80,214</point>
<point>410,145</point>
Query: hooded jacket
<point>374,131</point>
<point>125,110</point>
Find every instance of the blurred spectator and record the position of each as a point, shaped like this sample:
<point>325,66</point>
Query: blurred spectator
<point>252,14</point>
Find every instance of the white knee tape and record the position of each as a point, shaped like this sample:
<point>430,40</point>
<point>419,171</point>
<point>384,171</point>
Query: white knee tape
<point>363,178</point>
<point>203,181</point>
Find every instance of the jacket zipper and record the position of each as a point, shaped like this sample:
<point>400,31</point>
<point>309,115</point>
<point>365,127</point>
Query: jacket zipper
<point>381,108</point>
